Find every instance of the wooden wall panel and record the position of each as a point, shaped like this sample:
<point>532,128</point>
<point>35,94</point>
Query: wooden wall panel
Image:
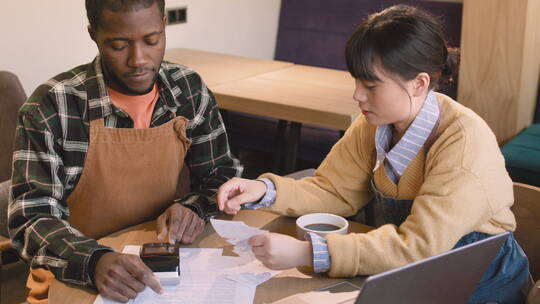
<point>500,62</point>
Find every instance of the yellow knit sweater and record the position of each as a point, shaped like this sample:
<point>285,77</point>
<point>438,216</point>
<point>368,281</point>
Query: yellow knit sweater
<point>459,185</point>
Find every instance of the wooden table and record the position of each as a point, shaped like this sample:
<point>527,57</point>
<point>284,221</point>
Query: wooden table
<point>278,89</point>
<point>216,68</point>
<point>296,93</point>
<point>283,285</point>
<point>299,93</point>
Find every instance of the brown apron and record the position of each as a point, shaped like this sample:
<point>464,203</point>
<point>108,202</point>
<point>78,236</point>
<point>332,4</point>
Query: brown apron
<point>130,176</point>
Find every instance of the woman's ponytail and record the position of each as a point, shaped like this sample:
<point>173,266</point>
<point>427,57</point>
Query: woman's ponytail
<point>450,70</point>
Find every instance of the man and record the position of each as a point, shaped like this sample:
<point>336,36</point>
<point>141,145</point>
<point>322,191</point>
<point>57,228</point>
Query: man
<point>101,147</point>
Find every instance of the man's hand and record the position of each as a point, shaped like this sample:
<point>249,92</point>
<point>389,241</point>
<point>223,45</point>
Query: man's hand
<point>237,191</point>
<point>279,251</point>
<point>179,224</point>
<point>121,277</point>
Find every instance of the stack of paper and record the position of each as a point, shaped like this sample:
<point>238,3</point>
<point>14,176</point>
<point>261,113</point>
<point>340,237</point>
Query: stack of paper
<point>207,276</point>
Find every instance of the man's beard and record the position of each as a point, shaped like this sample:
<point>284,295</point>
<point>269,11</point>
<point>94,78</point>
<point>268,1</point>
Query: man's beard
<point>123,88</point>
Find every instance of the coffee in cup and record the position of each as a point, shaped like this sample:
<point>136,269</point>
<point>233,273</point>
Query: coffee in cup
<point>321,224</point>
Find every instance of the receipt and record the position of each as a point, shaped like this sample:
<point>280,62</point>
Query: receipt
<point>237,233</point>
<point>235,230</point>
<point>209,277</point>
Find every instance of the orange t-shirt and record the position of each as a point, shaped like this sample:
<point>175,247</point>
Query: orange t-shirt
<point>139,107</point>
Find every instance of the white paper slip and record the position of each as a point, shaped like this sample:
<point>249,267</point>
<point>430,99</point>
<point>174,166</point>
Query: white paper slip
<point>207,277</point>
<point>207,291</point>
<point>251,279</point>
<point>132,249</point>
<point>235,230</point>
<point>208,251</point>
<point>211,290</point>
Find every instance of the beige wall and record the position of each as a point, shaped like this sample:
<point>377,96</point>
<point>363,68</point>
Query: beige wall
<point>43,38</point>
<point>500,66</point>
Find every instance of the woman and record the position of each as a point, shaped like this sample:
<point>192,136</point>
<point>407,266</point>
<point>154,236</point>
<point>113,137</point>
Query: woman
<point>431,166</point>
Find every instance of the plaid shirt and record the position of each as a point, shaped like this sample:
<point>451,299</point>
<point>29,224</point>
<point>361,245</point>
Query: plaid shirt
<point>52,142</point>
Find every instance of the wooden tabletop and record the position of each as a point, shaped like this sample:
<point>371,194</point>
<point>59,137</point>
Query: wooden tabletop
<point>216,68</point>
<point>299,93</point>
<point>287,283</point>
<point>278,89</point>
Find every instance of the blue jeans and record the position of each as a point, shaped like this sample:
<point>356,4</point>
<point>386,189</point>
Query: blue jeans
<point>506,275</point>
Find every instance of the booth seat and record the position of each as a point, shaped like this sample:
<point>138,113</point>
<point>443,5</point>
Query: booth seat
<point>522,155</point>
<point>315,32</point>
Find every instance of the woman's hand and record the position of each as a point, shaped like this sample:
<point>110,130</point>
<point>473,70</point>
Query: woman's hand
<point>279,251</point>
<point>237,191</point>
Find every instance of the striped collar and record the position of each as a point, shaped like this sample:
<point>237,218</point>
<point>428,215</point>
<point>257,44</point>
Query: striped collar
<point>399,157</point>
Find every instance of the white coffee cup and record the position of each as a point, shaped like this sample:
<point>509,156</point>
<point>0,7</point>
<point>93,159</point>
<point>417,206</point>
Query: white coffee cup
<point>321,224</point>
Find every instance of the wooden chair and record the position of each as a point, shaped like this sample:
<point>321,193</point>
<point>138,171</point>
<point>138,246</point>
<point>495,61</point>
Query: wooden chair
<point>527,211</point>
<point>7,253</point>
<point>12,96</point>
<point>5,242</point>
<point>534,294</point>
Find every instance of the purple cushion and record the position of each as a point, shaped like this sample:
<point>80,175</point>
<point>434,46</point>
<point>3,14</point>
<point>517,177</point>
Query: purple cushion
<point>314,32</point>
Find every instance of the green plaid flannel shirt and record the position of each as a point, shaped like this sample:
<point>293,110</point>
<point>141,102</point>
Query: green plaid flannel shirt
<point>52,142</point>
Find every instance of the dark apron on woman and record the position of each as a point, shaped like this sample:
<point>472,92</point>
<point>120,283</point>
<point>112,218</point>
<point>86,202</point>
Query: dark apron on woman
<point>507,273</point>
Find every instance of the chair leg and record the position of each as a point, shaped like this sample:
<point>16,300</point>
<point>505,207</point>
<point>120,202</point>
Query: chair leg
<point>293,143</point>
<point>279,145</point>
<point>226,121</point>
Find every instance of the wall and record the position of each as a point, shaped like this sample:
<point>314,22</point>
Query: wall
<point>43,38</point>
<point>500,66</point>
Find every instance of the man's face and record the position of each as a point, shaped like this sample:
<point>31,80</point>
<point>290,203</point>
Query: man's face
<point>131,45</point>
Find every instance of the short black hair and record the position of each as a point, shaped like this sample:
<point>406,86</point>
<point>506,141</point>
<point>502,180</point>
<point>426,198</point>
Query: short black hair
<point>406,41</point>
<point>95,7</point>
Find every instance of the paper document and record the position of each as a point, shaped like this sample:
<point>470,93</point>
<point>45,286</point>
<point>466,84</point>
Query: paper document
<point>238,234</point>
<point>235,230</point>
<point>206,276</point>
<point>209,290</point>
<point>202,290</point>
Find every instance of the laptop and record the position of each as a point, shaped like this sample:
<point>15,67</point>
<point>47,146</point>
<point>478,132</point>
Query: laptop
<point>449,277</point>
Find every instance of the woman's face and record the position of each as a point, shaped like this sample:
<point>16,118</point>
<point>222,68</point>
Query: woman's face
<point>385,101</point>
